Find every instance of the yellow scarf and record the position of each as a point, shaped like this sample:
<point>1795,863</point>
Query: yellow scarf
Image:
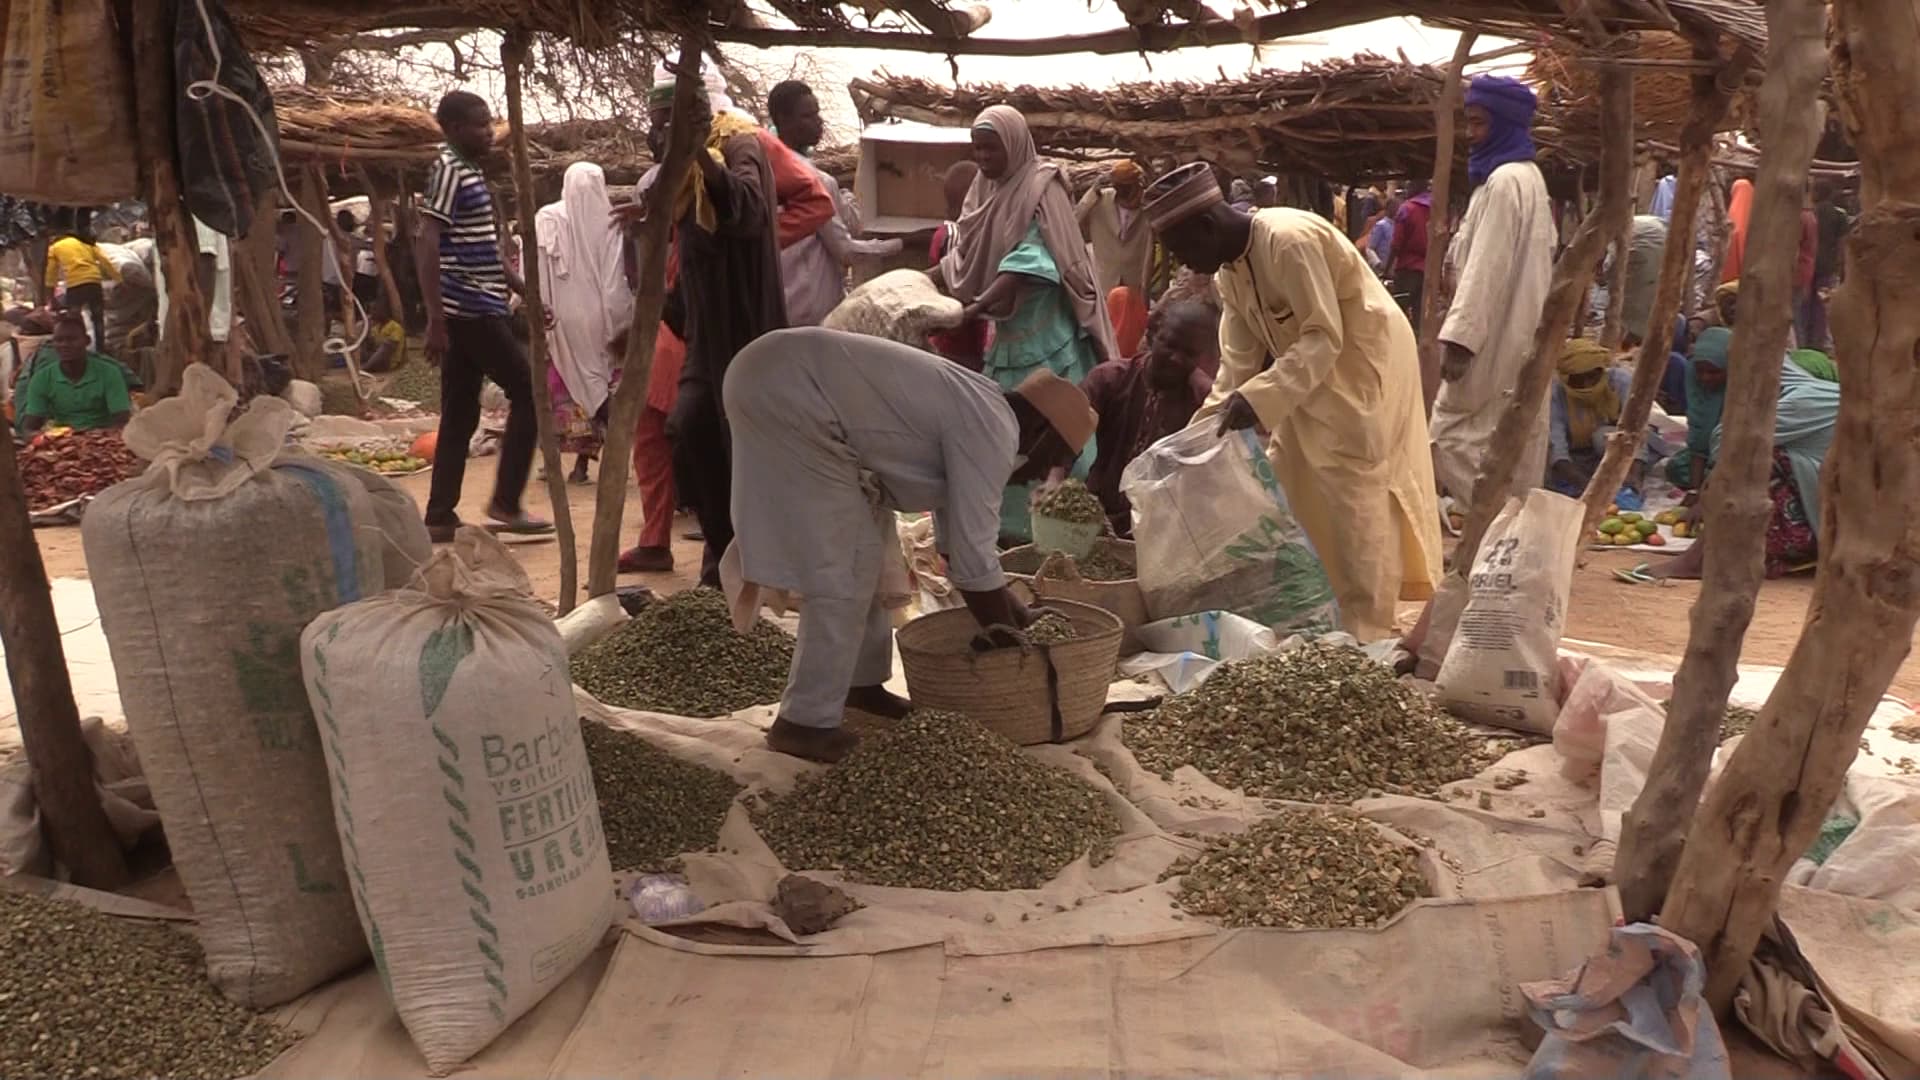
<point>1588,408</point>
<point>692,195</point>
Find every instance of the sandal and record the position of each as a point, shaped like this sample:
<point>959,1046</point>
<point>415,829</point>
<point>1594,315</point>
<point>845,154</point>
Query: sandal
<point>518,523</point>
<point>1636,576</point>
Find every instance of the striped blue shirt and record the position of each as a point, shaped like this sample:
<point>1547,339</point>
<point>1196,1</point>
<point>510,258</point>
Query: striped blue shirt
<point>473,281</point>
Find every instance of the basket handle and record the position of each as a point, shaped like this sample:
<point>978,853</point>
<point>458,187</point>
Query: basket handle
<point>1057,566</point>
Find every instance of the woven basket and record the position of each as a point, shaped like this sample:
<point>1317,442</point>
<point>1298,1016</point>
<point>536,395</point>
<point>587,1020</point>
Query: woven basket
<point>1044,693</point>
<point>1062,581</point>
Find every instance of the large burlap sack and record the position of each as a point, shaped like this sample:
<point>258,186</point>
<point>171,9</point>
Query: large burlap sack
<point>205,570</point>
<point>462,793</point>
<point>405,544</point>
<point>1502,665</point>
<point>1212,531</point>
<point>899,305</point>
<point>66,108</point>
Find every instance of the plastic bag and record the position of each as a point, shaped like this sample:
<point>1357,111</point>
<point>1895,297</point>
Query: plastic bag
<point>899,305</point>
<point>1213,532</point>
<point>226,161</point>
<point>1502,664</point>
<point>66,109</point>
<point>1633,1012</point>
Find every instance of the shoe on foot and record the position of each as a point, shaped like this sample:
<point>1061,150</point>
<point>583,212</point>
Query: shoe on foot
<point>442,533</point>
<point>646,560</point>
<point>824,745</point>
<point>517,522</point>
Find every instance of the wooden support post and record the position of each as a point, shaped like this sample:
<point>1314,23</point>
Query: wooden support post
<point>603,558</point>
<point>1432,301</point>
<point>1572,276</point>
<point>1776,789</point>
<point>513,54</point>
<point>310,316</point>
<point>62,767</point>
<point>256,282</point>
<point>1736,500</point>
<point>186,338</point>
<point>377,236</point>
<point>1615,325</point>
<point>1712,95</point>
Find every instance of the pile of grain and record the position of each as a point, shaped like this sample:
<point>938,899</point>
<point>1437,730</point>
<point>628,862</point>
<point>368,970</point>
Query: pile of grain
<point>90,995</point>
<point>1301,868</point>
<point>680,655</point>
<point>418,382</point>
<point>938,802</point>
<point>654,807</point>
<point>1316,724</point>
<point>1051,628</point>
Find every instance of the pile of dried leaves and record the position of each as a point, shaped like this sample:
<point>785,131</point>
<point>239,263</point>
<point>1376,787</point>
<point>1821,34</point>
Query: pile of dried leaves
<point>654,807</point>
<point>939,802</point>
<point>89,995</point>
<point>60,466</point>
<point>1318,723</point>
<point>680,655</point>
<point>1301,868</point>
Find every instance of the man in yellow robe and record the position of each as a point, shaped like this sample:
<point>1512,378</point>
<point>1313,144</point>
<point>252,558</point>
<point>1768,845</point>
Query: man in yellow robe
<point>1341,400</point>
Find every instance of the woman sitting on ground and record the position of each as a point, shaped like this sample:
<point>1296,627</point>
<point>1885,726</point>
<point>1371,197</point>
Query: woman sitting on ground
<point>1587,399</point>
<point>1803,426</point>
<point>1706,396</point>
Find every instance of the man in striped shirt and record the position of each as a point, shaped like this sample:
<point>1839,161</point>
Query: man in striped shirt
<point>464,280</point>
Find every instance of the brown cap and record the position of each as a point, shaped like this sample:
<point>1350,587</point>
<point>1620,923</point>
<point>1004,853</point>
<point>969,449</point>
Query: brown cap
<point>1063,404</point>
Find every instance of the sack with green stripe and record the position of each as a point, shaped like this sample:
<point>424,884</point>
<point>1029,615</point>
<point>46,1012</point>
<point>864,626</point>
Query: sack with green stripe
<point>461,793</point>
<point>206,568</point>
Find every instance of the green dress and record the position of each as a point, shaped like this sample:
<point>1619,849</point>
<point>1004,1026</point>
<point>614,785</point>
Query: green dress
<point>1041,332</point>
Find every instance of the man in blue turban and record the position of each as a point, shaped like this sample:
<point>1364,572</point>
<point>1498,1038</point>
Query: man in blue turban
<point>1501,262</point>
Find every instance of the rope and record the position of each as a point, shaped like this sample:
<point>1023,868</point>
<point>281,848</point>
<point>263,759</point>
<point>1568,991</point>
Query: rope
<point>200,90</point>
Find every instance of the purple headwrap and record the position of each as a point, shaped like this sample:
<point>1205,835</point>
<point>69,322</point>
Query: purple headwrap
<point>1509,104</point>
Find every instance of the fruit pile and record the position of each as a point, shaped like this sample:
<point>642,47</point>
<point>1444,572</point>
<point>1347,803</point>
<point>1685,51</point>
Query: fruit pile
<point>380,461</point>
<point>1622,528</point>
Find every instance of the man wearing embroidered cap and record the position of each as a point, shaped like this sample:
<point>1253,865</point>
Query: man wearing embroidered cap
<point>1341,399</point>
<point>1501,264</point>
<point>832,433</point>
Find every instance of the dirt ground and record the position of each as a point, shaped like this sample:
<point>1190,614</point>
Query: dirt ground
<point>1647,618</point>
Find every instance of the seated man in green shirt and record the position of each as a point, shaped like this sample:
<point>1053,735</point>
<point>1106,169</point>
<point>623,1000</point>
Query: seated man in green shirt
<point>83,391</point>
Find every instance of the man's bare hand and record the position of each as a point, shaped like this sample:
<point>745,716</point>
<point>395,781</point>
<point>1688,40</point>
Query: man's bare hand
<point>1237,415</point>
<point>437,342</point>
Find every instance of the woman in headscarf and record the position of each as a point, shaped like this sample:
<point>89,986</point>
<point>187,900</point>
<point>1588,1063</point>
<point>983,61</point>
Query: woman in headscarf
<point>1739,212</point>
<point>589,301</point>
<point>1017,257</point>
<point>1803,425</point>
<point>1587,400</point>
<point>1706,396</point>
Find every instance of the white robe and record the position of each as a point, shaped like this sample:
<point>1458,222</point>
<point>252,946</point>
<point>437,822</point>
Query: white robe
<point>1501,263</point>
<point>1343,403</point>
<point>584,284</point>
<point>832,433</point>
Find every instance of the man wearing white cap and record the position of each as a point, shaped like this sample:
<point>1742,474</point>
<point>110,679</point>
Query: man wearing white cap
<point>832,433</point>
<point>1341,400</point>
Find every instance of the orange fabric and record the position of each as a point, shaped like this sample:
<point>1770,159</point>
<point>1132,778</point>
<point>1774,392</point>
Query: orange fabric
<point>1127,310</point>
<point>804,205</point>
<point>1739,212</point>
<point>653,471</point>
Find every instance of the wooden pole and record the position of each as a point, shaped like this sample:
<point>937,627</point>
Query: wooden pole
<point>310,323</point>
<point>1736,500</point>
<point>62,767</point>
<point>186,337</point>
<point>256,292</point>
<point>1572,276</point>
<point>1712,95</point>
<point>377,236</point>
<point>1433,301</point>
<point>603,558</point>
<point>1775,791</point>
<point>513,54</point>
<point>1614,327</point>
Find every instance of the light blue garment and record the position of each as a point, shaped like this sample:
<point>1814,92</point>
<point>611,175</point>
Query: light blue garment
<point>1587,458</point>
<point>1803,426</point>
<point>1662,206</point>
<point>1041,332</point>
<point>1380,242</point>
